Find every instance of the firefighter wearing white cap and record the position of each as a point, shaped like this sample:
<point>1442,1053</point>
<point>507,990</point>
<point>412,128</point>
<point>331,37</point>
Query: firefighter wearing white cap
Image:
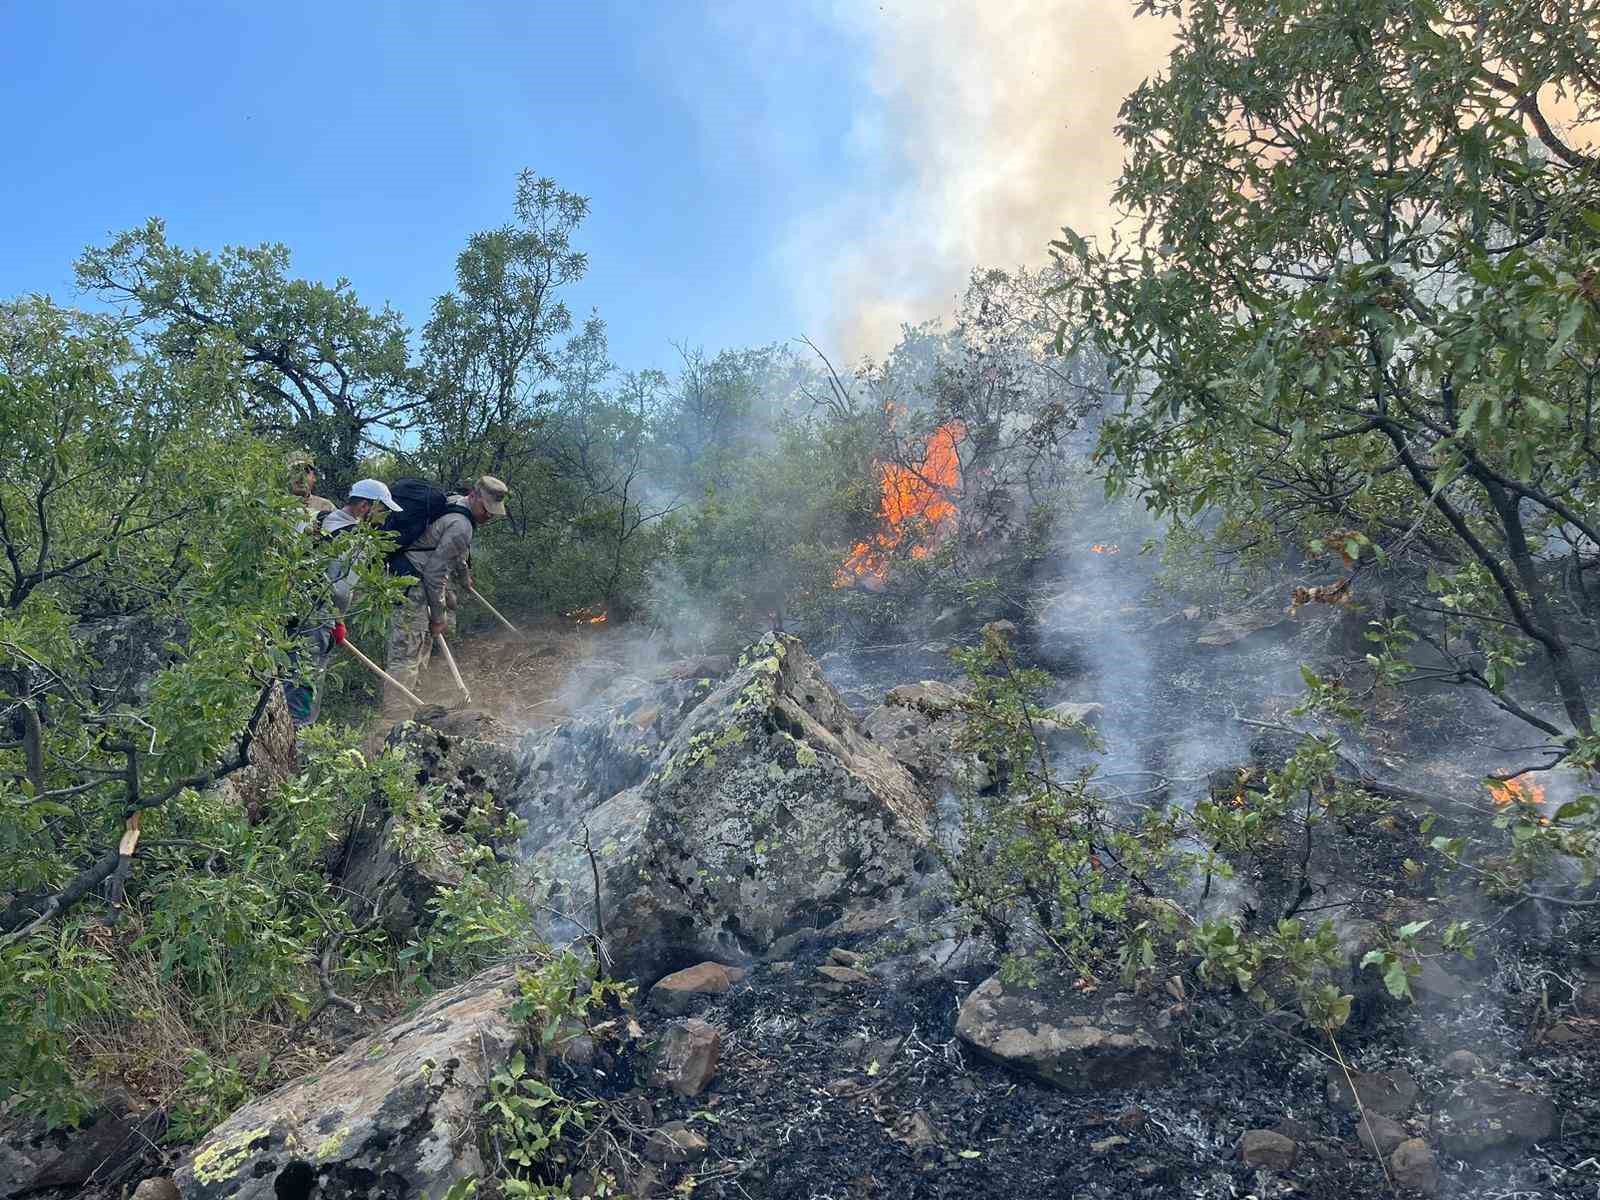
<point>369,501</point>
<point>440,553</point>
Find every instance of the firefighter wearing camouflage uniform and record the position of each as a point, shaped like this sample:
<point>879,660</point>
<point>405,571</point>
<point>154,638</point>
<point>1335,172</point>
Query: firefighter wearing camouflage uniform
<point>438,556</point>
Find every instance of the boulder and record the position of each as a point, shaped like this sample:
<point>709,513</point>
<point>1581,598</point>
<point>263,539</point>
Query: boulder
<point>1436,985</point>
<point>1048,1035</point>
<point>381,1119</point>
<point>765,821</point>
<point>1483,1118</point>
<point>1388,1093</point>
<point>1413,1166</point>
<point>157,1188</point>
<point>1230,628</point>
<point>1264,1148</point>
<point>675,994</point>
<point>130,652</point>
<point>687,1056</point>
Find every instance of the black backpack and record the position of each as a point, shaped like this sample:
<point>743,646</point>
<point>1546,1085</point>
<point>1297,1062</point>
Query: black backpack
<point>421,504</point>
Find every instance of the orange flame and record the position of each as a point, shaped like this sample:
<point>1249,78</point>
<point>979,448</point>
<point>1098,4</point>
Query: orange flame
<point>594,615</point>
<point>1516,791</point>
<point>920,494</point>
<point>1106,548</point>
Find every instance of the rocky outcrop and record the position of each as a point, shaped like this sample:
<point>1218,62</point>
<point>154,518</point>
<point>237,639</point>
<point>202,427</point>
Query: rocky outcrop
<point>388,1117</point>
<point>722,820</point>
<point>1048,1035</point>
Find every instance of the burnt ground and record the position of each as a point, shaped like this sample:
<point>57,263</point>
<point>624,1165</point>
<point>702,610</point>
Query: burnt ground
<point>869,1093</point>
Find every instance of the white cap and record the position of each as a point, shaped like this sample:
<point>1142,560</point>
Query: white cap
<point>374,489</point>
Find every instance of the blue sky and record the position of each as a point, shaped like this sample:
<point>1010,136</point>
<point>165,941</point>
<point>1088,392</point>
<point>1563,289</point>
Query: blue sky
<point>372,139</point>
<point>832,168</point>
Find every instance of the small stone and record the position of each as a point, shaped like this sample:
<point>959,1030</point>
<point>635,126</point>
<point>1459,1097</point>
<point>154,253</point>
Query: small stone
<point>1379,1134</point>
<point>1131,1119</point>
<point>1413,1166</point>
<point>1462,1063</point>
<point>916,1131</point>
<point>845,958</point>
<point>1588,998</point>
<point>1263,1148</point>
<point>676,993</point>
<point>1564,1033</point>
<point>1433,982</point>
<point>1295,1131</point>
<point>675,1143</point>
<point>156,1189</point>
<point>1107,1145</point>
<point>844,976</point>
<point>1391,1093</point>
<point>686,1060</point>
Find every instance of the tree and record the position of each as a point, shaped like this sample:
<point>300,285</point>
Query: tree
<point>318,367</point>
<point>488,349</point>
<point>117,497</point>
<point>1360,310</point>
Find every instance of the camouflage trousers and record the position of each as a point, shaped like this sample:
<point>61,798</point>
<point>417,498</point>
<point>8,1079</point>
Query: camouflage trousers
<point>308,668</point>
<point>410,648</point>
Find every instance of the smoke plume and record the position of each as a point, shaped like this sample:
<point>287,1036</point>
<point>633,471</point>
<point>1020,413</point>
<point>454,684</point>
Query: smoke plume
<point>990,127</point>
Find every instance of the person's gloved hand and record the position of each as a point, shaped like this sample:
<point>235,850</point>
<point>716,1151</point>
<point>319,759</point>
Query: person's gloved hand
<point>339,636</point>
<point>437,628</point>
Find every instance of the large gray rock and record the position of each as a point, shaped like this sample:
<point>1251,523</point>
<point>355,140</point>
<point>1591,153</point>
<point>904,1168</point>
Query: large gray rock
<point>1483,1118</point>
<point>756,819</point>
<point>1049,1035</point>
<point>382,1119</point>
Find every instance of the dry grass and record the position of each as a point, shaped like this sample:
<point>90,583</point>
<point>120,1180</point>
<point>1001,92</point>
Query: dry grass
<point>148,1042</point>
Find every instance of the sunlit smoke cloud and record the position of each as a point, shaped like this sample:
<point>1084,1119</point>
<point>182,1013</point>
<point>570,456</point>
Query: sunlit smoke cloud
<point>989,126</point>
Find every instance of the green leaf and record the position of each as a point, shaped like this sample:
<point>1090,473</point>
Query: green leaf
<point>1397,980</point>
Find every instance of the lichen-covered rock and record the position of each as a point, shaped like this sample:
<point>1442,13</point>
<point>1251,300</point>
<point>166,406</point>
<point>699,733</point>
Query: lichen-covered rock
<point>467,757</point>
<point>1047,1034</point>
<point>386,1118</point>
<point>754,820</point>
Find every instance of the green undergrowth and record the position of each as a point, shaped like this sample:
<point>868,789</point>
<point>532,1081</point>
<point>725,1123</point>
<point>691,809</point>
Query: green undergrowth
<point>203,990</point>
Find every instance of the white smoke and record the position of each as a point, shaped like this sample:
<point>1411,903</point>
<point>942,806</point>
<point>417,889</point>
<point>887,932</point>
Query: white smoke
<point>990,126</point>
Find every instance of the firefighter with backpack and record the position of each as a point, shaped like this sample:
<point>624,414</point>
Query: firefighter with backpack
<point>369,501</point>
<point>433,534</point>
